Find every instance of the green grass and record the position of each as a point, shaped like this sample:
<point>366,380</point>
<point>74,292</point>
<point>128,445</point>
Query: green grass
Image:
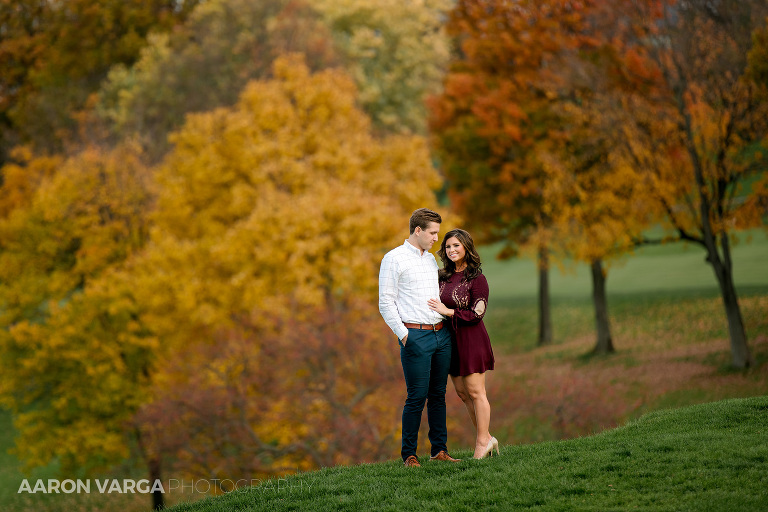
<point>705,457</point>
<point>641,288</point>
<point>11,478</point>
<point>657,269</point>
<point>10,467</point>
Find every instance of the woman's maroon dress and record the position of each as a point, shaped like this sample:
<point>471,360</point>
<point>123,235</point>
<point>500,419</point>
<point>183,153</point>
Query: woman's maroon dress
<point>472,351</point>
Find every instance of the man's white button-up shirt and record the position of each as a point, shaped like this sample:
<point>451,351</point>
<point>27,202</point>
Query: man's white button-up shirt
<point>407,280</point>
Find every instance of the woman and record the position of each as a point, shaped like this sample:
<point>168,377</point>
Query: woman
<point>463,300</point>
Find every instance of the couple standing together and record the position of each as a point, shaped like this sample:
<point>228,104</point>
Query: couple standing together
<point>437,316</point>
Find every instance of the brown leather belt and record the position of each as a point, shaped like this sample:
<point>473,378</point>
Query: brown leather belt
<point>425,327</point>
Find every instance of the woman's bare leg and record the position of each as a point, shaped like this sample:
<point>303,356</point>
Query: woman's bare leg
<point>474,385</point>
<point>461,390</point>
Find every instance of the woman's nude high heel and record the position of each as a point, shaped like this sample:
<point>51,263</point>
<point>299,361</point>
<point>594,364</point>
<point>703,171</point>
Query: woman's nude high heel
<point>492,443</point>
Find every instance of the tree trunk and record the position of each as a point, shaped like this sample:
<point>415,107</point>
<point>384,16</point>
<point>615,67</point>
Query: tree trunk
<point>723,268</point>
<point>545,313</point>
<point>153,465</point>
<point>154,475</point>
<point>604,342</point>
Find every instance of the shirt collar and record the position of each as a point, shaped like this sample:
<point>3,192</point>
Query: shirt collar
<point>415,250</point>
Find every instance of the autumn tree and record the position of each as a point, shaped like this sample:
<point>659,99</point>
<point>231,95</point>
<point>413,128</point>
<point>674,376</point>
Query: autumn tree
<point>73,219</point>
<point>254,405</point>
<point>597,201</point>
<point>495,108</point>
<point>54,54</point>
<point>697,122</point>
<point>395,55</point>
<point>271,219</point>
<point>242,172</point>
<point>599,205</point>
<point>22,176</point>
<point>72,360</point>
<point>204,64</point>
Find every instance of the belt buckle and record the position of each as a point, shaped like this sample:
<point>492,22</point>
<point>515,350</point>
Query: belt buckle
<point>434,327</point>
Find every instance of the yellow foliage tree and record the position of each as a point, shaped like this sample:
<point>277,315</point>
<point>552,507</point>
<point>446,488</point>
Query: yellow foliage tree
<point>271,220</point>
<point>266,199</point>
<point>259,275</point>
<point>69,375</point>
<point>21,177</point>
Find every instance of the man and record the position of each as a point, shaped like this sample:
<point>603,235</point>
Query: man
<point>407,280</point>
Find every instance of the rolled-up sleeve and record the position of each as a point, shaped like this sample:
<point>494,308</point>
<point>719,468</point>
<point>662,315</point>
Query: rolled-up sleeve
<point>389,275</point>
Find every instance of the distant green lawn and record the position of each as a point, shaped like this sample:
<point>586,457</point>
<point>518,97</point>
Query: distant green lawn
<point>711,457</point>
<point>640,286</point>
<point>677,268</point>
<point>9,465</point>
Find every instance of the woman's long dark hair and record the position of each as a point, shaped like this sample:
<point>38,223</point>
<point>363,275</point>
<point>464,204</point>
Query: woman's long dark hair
<point>470,256</point>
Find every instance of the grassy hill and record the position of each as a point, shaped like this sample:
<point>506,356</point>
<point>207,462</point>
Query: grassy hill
<point>704,457</point>
<point>670,333</point>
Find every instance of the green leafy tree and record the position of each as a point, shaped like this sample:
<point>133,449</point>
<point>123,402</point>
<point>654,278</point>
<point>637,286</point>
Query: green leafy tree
<point>396,51</point>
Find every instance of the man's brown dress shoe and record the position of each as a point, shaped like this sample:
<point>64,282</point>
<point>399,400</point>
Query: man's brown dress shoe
<point>443,455</point>
<point>412,462</point>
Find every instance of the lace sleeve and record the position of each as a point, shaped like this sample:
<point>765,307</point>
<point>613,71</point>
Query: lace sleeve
<point>478,303</point>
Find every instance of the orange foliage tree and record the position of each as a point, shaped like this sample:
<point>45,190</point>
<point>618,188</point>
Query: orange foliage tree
<point>598,203</point>
<point>696,124</point>
<point>497,105</point>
